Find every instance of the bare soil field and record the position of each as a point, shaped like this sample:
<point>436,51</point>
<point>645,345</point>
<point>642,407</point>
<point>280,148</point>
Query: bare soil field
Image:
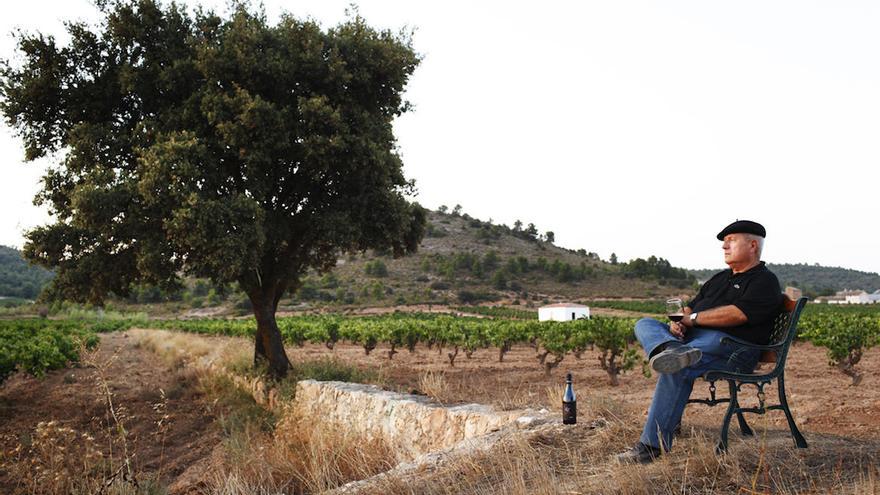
<point>821,398</point>
<point>158,424</point>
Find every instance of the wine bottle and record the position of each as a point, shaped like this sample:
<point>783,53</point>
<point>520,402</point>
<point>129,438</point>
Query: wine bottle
<point>569,403</point>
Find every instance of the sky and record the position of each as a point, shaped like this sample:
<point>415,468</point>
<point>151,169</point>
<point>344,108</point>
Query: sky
<point>631,127</point>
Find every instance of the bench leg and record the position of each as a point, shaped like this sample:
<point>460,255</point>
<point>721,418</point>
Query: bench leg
<point>799,440</point>
<point>725,426</point>
<point>743,426</point>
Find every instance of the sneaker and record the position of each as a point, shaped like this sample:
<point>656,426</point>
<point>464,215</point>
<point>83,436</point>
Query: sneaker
<point>674,359</point>
<point>640,454</point>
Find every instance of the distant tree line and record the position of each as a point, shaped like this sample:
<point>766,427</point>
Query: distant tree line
<point>814,280</point>
<point>658,269</point>
<point>18,278</point>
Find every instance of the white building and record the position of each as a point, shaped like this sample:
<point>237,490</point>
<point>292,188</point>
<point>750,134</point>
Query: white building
<point>863,297</point>
<point>563,312</point>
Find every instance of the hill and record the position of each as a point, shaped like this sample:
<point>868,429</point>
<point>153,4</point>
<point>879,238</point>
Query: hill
<point>814,280</point>
<point>18,278</point>
<point>464,259</point>
<point>460,260</point>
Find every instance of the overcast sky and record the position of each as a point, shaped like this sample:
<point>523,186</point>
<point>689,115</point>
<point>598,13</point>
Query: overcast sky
<point>640,128</point>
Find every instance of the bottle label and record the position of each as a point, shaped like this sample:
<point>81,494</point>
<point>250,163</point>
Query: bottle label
<point>569,413</point>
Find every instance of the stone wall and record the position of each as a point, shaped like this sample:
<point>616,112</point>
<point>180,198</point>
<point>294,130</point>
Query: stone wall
<point>411,424</point>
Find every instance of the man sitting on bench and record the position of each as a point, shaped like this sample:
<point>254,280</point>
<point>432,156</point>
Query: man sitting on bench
<point>741,301</point>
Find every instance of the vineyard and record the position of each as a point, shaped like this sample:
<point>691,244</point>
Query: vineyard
<point>36,346</point>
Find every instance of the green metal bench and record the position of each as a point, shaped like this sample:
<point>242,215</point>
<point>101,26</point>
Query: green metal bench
<point>784,331</point>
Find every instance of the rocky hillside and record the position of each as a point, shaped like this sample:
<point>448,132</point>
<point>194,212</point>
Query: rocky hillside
<point>463,259</point>
<point>460,260</point>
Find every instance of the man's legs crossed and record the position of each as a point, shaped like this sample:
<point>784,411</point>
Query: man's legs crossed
<point>673,390</point>
<point>666,352</point>
<point>652,334</point>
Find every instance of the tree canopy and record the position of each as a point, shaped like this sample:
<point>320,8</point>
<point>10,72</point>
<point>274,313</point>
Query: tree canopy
<point>223,148</point>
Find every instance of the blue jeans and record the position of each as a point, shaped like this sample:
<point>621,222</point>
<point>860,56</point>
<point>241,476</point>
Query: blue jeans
<point>673,390</point>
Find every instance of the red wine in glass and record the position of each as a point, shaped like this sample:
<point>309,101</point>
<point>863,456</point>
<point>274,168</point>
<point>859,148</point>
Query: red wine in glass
<point>674,310</point>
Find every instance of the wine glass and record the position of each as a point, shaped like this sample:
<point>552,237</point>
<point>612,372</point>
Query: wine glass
<point>674,309</point>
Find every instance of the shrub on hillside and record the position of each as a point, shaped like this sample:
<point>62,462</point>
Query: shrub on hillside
<point>472,297</point>
<point>376,268</point>
<point>439,285</point>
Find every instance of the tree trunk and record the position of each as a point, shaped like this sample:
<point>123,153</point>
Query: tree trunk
<point>268,345</point>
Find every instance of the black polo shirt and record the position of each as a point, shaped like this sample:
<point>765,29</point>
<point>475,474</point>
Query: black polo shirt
<point>755,292</point>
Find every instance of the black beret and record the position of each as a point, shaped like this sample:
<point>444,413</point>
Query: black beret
<point>743,227</point>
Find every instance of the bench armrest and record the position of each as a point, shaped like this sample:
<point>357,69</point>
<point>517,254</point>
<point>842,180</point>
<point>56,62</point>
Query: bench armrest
<point>744,343</point>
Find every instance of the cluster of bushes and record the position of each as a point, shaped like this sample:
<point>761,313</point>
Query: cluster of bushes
<point>503,275</point>
<point>432,230</point>
<point>658,269</point>
<point>328,289</point>
<point>476,297</point>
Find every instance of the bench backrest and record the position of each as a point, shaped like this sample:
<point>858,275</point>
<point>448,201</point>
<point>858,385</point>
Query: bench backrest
<point>784,331</point>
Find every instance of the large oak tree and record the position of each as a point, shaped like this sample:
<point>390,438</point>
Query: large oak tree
<point>225,148</point>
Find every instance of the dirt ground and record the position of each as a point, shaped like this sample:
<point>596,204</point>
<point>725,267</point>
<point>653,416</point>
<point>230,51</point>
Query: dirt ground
<point>169,427</point>
<point>165,423</point>
<point>821,398</point>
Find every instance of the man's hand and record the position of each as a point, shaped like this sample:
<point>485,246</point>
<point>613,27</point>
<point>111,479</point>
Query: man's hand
<point>677,329</point>
<point>686,321</point>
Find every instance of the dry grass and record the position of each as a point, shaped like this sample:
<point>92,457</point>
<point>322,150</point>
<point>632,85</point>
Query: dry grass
<point>264,454</point>
<point>57,459</point>
<point>579,460</point>
<point>553,397</point>
<point>177,349</point>
<point>434,385</point>
<point>267,451</point>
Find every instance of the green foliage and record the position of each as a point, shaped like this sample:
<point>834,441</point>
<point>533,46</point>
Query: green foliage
<point>219,148</point>
<point>432,230</point>
<point>471,297</point>
<point>499,280</point>
<point>328,369</point>
<point>18,278</point>
<point>12,302</point>
<point>846,333</point>
<point>612,337</point>
<point>376,268</point>
<point>38,346</point>
<point>659,269</point>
